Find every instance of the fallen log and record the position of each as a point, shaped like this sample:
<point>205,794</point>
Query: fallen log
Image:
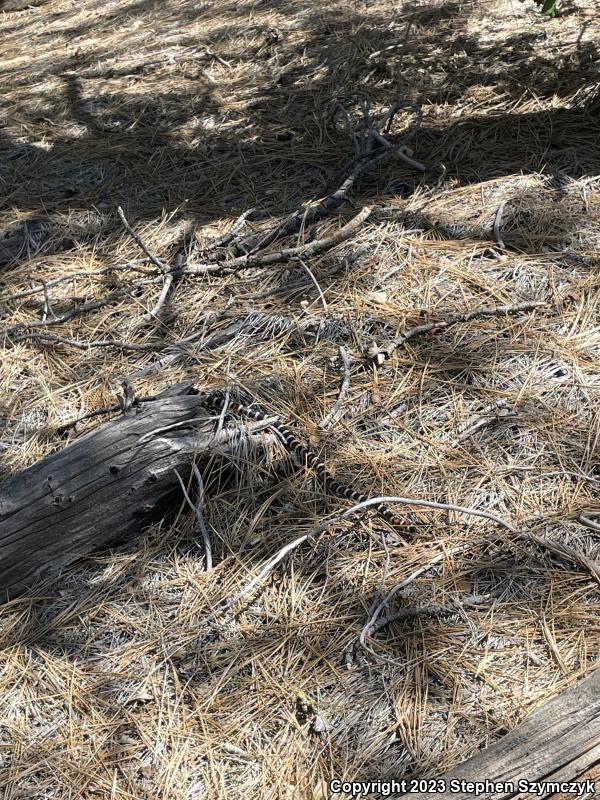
<point>104,487</point>
<point>554,752</point>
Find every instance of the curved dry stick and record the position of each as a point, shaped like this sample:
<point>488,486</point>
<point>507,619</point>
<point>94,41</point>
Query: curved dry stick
<point>497,223</point>
<point>381,354</point>
<point>335,408</point>
<point>197,509</point>
<point>369,625</point>
<point>229,236</point>
<point>154,259</point>
<point>316,531</point>
<point>267,259</point>
<point>306,216</point>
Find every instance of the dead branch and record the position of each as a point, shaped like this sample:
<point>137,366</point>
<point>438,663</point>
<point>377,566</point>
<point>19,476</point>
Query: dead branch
<point>404,155</point>
<point>369,625</point>
<point>103,487</point>
<point>92,273</point>
<point>137,239</point>
<point>267,259</point>
<point>230,235</point>
<point>197,509</point>
<point>336,407</point>
<point>380,354</point>
<point>307,216</point>
<point>497,223</point>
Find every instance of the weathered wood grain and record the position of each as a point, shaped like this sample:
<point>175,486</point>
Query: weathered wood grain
<point>102,488</point>
<point>559,742</point>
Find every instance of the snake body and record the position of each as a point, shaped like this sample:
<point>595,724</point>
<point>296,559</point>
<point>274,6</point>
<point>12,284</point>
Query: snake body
<point>219,400</point>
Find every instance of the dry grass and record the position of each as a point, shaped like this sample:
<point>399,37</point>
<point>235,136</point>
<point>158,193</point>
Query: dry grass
<point>113,684</point>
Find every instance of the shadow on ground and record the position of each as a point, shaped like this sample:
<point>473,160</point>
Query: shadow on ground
<point>84,134</point>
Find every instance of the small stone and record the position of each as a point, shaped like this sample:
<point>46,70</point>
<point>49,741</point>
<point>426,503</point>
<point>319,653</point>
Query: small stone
<point>378,297</point>
<point>319,725</point>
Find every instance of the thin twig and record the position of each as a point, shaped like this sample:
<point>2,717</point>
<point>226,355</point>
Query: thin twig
<point>559,548</point>
<point>174,426</point>
<point>156,261</point>
<point>497,224</point>
<point>92,273</point>
<point>339,107</point>
<point>336,407</point>
<point>381,354</point>
<point>315,282</point>
<point>595,526</point>
<point>368,627</point>
<point>267,259</point>
<point>222,414</point>
<point>16,333</point>
<point>47,305</point>
<point>162,297</point>
<point>154,312</point>
<point>197,509</point>
<point>385,123</point>
<point>218,58</point>
<point>229,236</point>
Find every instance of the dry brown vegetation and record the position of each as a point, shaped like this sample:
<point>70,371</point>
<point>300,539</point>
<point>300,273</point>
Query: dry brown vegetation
<point>113,682</point>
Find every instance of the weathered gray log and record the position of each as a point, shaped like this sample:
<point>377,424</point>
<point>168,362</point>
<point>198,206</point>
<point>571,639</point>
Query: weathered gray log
<point>557,743</point>
<point>102,488</point>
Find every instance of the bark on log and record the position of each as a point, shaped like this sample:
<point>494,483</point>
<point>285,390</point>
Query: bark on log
<point>558,743</point>
<point>102,488</point>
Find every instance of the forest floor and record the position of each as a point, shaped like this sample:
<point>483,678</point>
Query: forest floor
<point>187,115</point>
